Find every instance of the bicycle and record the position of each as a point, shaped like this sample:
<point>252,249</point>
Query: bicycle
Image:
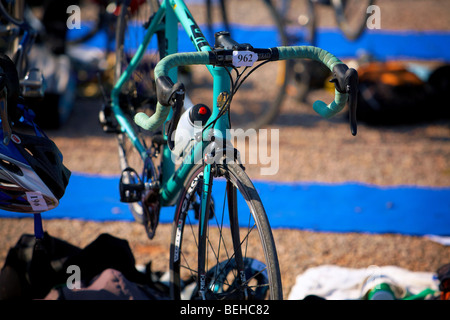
<point>20,86</point>
<point>51,99</point>
<point>33,176</point>
<point>220,229</point>
<point>102,21</point>
<point>99,30</point>
<point>18,38</point>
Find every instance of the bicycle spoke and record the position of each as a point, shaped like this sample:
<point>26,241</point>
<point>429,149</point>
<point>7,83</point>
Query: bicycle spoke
<point>221,239</point>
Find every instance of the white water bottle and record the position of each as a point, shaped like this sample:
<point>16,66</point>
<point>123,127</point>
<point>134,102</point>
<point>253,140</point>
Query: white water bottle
<point>191,122</point>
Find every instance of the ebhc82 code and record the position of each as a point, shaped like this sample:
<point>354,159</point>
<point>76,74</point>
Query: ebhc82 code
<point>246,309</point>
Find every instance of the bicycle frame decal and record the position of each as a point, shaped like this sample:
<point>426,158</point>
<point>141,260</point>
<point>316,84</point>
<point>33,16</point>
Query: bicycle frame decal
<point>176,249</point>
<point>180,215</point>
<point>188,22</point>
<point>206,198</point>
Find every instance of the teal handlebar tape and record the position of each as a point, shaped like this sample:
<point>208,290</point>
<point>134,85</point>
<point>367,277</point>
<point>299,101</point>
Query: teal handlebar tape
<point>155,121</point>
<point>162,69</point>
<point>318,54</point>
<point>204,58</point>
<point>180,59</point>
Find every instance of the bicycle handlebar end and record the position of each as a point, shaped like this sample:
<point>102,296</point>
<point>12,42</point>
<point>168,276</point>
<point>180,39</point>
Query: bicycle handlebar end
<point>330,110</point>
<point>155,121</point>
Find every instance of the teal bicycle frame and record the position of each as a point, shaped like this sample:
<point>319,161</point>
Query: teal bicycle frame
<point>173,12</point>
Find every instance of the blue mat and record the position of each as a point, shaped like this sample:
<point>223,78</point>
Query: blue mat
<point>346,207</point>
<point>382,44</point>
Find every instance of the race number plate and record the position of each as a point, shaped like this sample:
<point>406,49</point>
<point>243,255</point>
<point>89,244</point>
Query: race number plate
<point>244,58</point>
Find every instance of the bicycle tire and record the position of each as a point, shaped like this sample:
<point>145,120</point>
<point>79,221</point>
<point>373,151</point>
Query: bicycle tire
<point>302,76</point>
<point>13,12</point>
<point>133,100</point>
<point>221,261</point>
<point>351,24</point>
<point>90,34</point>
<point>12,18</point>
<point>283,71</point>
<point>311,24</point>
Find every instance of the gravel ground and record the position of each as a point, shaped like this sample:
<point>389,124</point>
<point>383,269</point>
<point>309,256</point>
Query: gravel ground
<point>311,149</point>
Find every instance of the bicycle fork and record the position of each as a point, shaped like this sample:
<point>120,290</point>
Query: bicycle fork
<point>208,173</point>
<point>203,228</point>
<point>234,229</point>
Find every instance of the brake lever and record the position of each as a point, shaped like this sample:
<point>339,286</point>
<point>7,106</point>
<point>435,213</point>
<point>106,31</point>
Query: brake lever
<point>177,107</point>
<point>346,80</point>
<point>351,81</point>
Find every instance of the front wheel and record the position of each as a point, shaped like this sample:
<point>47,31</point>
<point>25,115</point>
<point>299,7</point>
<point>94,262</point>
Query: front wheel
<point>240,256</point>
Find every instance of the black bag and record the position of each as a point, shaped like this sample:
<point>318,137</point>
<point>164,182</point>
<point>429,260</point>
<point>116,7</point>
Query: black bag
<point>34,266</point>
<point>390,94</point>
<point>439,88</point>
<point>443,275</point>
